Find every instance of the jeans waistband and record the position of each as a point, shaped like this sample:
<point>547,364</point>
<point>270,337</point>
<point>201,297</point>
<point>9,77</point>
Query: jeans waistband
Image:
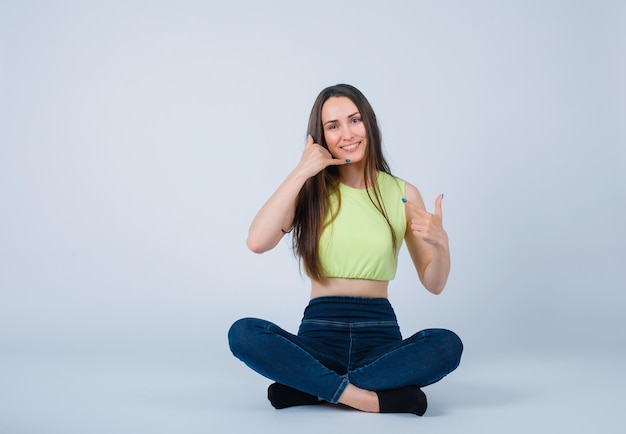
<point>350,310</point>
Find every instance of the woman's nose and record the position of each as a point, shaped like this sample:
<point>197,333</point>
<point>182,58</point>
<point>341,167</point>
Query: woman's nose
<point>347,133</point>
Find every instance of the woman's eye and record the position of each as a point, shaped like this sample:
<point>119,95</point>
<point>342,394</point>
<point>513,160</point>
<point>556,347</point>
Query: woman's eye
<point>356,120</point>
<point>332,127</point>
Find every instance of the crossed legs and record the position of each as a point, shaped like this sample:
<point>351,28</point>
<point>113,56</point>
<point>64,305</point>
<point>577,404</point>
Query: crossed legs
<point>374,387</point>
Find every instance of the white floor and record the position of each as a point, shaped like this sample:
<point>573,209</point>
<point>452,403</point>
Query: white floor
<point>191,393</point>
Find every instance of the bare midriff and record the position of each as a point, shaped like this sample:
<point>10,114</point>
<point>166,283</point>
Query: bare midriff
<point>337,287</point>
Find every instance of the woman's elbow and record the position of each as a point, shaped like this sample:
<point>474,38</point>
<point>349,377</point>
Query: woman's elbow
<point>260,244</point>
<point>255,246</point>
<point>436,290</point>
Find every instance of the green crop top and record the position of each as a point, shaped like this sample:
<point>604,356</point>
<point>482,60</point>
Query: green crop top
<point>358,243</point>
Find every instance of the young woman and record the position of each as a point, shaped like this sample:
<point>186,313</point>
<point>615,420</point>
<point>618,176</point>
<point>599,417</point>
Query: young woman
<point>348,216</point>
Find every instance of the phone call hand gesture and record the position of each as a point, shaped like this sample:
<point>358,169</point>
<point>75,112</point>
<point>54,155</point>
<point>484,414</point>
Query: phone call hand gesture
<point>427,226</point>
<point>316,158</point>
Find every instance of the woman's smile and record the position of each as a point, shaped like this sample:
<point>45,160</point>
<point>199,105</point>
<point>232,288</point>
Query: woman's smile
<point>344,130</point>
<point>351,148</point>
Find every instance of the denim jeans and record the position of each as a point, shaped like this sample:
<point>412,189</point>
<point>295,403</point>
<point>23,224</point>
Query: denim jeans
<point>345,340</point>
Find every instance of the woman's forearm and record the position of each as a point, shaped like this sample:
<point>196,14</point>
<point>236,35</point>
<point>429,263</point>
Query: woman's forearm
<point>436,273</point>
<point>276,216</point>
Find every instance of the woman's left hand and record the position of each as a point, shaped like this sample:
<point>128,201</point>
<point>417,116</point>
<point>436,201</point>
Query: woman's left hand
<point>427,226</point>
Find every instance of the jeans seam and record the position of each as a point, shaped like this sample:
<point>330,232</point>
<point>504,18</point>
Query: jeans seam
<point>342,385</point>
<point>350,324</point>
<point>350,351</point>
<point>339,391</point>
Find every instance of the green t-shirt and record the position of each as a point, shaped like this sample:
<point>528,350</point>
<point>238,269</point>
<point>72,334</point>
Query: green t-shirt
<point>358,244</point>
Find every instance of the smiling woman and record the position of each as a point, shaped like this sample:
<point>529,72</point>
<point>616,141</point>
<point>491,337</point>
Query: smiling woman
<point>344,130</point>
<point>348,215</point>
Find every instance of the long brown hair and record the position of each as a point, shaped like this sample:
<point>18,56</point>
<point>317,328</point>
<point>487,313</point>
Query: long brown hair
<point>313,200</point>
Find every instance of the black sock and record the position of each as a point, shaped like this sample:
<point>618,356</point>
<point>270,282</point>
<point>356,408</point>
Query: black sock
<point>282,396</point>
<point>406,400</point>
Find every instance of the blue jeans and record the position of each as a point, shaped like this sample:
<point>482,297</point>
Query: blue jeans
<point>345,340</point>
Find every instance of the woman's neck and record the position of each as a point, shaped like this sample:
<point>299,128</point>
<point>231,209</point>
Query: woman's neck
<point>352,175</point>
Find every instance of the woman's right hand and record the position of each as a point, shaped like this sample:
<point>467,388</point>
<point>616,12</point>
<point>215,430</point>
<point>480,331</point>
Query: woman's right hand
<point>275,217</point>
<point>316,158</point>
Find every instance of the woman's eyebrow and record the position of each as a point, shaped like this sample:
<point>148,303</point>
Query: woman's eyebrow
<point>349,116</point>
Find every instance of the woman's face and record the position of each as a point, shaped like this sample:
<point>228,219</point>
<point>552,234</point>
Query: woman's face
<point>344,130</point>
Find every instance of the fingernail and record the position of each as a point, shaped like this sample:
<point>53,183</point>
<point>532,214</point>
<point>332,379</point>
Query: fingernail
<point>404,199</point>
<point>347,160</point>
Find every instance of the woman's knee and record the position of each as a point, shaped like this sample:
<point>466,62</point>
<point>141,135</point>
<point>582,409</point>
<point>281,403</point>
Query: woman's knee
<point>242,333</point>
<point>452,346</point>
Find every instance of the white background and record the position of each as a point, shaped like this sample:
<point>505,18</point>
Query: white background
<point>138,139</point>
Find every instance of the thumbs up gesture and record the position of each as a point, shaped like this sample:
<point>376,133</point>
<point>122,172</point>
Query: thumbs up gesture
<point>426,226</point>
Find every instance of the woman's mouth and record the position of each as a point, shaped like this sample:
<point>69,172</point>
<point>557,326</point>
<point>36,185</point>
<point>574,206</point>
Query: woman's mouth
<point>351,147</point>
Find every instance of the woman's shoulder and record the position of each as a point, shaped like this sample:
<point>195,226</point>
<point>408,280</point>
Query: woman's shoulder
<point>391,187</point>
<point>413,194</point>
<point>410,191</point>
<point>385,178</point>
<point>393,180</point>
